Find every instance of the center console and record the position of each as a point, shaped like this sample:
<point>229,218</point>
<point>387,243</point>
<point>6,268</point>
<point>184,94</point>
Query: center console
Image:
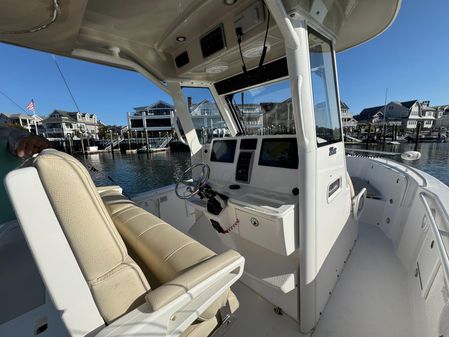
<point>257,176</point>
<point>256,179</point>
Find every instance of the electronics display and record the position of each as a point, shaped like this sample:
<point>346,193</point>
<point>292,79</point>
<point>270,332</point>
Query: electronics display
<point>279,152</point>
<point>213,41</point>
<point>244,163</point>
<point>223,150</point>
<point>248,144</point>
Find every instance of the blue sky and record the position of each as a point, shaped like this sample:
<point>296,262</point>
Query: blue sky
<point>410,59</point>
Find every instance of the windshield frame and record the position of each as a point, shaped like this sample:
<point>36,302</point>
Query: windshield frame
<point>331,43</point>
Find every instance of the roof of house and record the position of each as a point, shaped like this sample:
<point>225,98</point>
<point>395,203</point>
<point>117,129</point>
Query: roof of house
<point>19,115</point>
<point>343,105</point>
<point>157,105</point>
<point>409,104</point>
<point>64,116</point>
<point>368,113</point>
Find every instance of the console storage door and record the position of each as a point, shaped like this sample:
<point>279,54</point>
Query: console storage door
<point>266,223</point>
<point>427,264</point>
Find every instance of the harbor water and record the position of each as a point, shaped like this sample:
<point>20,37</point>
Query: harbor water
<point>434,157</point>
<point>138,173</point>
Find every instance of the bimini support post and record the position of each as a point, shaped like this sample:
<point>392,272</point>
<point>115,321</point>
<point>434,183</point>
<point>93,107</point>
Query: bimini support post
<point>182,112</point>
<point>293,27</point>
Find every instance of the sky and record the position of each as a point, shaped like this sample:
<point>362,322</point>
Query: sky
<point>410,59</point>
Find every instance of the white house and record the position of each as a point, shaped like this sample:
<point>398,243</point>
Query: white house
<point>155,118</point>
<point>346,116</point>
<point>31,123</point>
<point>405,115</point>
<point>61,124</point>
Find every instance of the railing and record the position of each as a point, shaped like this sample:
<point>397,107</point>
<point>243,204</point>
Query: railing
<point>54,130</point>
<point>437,232</point>
<point>114,143</point>
<point>165,142</point>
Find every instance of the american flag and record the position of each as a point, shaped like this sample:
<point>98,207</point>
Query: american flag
<point>30,106</point>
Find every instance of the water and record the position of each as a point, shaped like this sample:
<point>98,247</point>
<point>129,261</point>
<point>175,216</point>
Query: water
<point>136,173</point>
<point>434,157</point>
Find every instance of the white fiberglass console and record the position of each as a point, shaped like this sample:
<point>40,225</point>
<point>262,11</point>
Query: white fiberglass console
<point>258,178</point>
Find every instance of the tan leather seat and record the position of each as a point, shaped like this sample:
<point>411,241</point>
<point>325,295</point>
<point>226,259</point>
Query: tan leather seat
<point>90,222</point>
<point>117,283</point>
<point>146,235</point>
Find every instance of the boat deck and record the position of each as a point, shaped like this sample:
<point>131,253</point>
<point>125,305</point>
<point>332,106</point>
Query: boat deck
<point>371,299</point>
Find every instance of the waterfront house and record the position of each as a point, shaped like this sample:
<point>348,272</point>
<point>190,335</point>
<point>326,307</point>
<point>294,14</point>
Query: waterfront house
<point>61,124</point>
<point>31,123</point>
<point>405,115</point>
<point>441,117</point>
<point>155,119</point>
<point>349,122</point>
<point>440,110</point>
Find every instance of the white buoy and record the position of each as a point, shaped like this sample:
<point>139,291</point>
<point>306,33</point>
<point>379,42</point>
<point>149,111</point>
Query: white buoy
<point>411,155</point>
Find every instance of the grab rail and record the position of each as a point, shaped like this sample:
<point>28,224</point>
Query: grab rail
<point>436,231</point>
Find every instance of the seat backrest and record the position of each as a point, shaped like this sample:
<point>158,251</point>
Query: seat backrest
<point>115,280</point>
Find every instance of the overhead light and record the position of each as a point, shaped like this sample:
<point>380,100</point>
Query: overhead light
<point>229,2</point>
<point>180,38</point>
<point>217,68</point>
<point>255,49</point>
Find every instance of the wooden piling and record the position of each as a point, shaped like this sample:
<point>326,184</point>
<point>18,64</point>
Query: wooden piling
<point>418,127</point>
<point>112,147</point>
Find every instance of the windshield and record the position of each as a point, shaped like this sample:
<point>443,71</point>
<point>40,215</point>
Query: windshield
<point>264,110</point>
<point>206,117</point>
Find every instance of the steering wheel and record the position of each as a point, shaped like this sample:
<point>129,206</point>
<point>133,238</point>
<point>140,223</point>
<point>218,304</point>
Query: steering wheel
<point>193,185</point>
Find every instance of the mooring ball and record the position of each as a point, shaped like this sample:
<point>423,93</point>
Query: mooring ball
<point>411,155</point>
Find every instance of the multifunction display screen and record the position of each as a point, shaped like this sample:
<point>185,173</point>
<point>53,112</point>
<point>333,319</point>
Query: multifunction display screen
<point>223,151</point>
<point>279,152</point>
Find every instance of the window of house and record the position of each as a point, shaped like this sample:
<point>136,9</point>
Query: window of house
<point>136,123</point>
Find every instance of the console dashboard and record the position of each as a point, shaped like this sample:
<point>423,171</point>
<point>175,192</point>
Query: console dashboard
<point>259,177</point>
<point>267,162</point>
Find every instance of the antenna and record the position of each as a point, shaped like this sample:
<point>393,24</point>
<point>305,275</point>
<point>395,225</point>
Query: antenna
<point>385,112</point>
<point>66,84</point>
<point>11,100</point>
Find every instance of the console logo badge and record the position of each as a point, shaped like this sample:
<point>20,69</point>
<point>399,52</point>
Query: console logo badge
<point>332,150</point>
<point>254,222</point>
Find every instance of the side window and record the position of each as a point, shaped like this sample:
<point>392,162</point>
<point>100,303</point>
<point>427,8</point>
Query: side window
<point>206,117</point>
<point>327,119</point>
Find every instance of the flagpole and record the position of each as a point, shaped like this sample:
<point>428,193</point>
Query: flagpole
<point>34,119</point>
<point>32,107</point>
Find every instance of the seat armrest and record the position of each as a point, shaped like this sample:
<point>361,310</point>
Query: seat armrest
<point>189,279</point>
<point>114,188</point>
<point>174,306</point>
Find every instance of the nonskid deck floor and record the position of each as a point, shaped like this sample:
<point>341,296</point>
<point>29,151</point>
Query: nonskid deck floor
<point>371,298</point>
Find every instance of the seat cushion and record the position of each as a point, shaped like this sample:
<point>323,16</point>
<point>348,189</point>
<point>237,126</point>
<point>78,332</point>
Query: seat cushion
<point>117,283</point>
<point>164,250</point>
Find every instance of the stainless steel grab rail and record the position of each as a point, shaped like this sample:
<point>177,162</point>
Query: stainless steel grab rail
<point>436,231</point>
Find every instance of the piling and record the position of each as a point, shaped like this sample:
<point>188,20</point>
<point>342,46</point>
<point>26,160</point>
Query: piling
<point>112,147</point>
<point>82,144</point>
<point>369,134</point>
<point>418,127</point>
